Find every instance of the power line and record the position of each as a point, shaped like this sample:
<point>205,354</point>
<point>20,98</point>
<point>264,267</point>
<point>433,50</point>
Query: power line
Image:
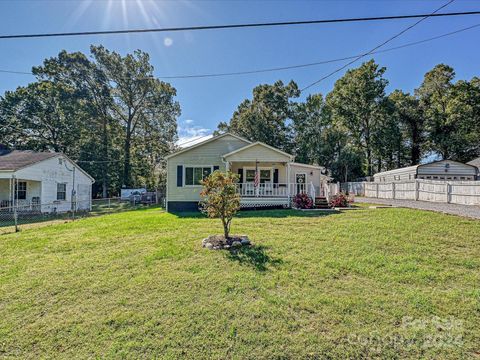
<point>195,139</point>
<point>235,26</point>
<point>378,46</point>
<point>289,67</point>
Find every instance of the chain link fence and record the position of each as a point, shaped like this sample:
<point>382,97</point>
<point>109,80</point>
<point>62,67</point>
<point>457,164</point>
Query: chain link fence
<point>21,215</point>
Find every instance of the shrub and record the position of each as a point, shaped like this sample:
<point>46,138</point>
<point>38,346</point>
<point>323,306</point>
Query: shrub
<point>303,201</point>
<point>220,198</point>
<point>340,200</point>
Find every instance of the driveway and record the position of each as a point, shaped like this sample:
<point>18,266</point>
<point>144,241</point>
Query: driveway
<point>470,211</point>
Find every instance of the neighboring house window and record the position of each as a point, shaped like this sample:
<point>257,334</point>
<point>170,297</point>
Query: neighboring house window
<point>21,190</point>
<point>193,175</point>
<point>61,191</point>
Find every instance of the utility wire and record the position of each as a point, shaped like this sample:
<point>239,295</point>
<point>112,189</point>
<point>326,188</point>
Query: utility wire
<point>289,67</point>
<point>378,46</point>
<point>235,26</point>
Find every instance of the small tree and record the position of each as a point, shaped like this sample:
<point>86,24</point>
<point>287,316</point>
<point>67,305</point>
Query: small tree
<point>220,198</point>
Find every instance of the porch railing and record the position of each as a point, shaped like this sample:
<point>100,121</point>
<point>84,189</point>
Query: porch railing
<point>273,190</point>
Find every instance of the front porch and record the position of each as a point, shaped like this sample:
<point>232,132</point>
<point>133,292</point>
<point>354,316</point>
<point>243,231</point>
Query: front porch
<point>22,194</point>
<point>271,194</point>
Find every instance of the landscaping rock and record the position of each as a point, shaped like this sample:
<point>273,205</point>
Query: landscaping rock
<point>218,242</point>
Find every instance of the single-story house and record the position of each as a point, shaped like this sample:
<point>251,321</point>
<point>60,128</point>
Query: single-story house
<point>42,182</point>
<point>279,176</point>
<point>436,170</point>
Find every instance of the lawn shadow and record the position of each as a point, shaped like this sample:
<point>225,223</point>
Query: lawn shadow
<point>254,256</point>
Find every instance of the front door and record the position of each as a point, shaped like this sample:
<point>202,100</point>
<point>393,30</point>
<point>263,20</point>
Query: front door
<point>301,181</point>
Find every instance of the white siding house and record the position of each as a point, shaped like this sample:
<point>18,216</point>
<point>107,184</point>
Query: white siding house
<point>437,170</point>
<point>280,178</point>
<point>43,182</point>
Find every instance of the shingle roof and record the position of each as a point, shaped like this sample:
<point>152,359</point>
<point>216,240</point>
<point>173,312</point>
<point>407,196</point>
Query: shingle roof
<point>17,159</point>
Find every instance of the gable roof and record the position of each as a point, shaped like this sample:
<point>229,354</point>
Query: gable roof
<point>261,144</point>
<point>212,139</point>
<point>18,159</point>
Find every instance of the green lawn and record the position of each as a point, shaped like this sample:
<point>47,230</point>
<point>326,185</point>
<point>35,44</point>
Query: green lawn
<point>387,283</point>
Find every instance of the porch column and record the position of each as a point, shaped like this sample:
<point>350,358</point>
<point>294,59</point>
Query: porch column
<point>227,166</point>
<point>288,180</point>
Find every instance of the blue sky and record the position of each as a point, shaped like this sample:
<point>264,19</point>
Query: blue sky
<point>207,101</point>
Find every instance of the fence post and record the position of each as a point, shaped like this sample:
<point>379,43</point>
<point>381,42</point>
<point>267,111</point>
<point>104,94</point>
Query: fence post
<point>15,202</point>
<point>416,189</point>
<point>393,190</point>
<point>447,191</point>
<point>376,190</point>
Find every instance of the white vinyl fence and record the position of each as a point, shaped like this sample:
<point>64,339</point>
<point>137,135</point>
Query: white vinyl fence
<point>452,192</point>
<point>354,188</point>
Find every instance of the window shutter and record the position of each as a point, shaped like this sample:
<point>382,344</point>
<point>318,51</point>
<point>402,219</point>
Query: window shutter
<point>216,167</point>
<point>240,176</point>
<point>179,175</point>
<point>275,176</point>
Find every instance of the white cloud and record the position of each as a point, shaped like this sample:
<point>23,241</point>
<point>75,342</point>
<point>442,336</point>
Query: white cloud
<point>168,41</point>
<point>189,134</point>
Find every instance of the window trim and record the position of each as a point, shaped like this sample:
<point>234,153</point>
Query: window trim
<point>17,189</point>
<point>62,183</point>
<point>194,166</point>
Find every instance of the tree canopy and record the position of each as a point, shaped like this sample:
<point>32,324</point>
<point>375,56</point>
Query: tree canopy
<point>107,111</point>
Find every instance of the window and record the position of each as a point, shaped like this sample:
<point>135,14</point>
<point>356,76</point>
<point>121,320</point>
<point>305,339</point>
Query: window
<point>193,175</point>
<point>61,191</point>
<point>249,175</point>
<point>21,190</point>
<point>265,175</point>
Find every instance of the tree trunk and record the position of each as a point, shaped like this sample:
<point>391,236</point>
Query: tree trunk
<point>126,164</point>
<point>225,228</point>
<point>105,154</point>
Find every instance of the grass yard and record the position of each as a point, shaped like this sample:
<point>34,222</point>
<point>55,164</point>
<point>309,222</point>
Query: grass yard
<point>386,283</point>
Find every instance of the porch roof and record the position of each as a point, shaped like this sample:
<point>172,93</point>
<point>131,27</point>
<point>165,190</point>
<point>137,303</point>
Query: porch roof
<point>258,151</point>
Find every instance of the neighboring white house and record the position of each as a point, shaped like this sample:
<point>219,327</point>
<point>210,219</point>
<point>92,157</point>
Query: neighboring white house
<point>437,170</point>
<point>43,182</point>
<point>280,178</point>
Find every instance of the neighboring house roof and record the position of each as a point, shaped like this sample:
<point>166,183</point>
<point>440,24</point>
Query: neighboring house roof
<point>255,144</point>
<point>475,162</point>
<point>414,168</point>
<point>206,142</point>
<point>18,159</point>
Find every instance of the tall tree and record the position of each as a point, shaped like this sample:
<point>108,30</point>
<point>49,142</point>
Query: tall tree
<point>267,116</point>
<point>43,114</point>
<point>140,101</point>
<point>451,113</point>
<point>407,113</point>
<point>358,103</point>
<point>93,92</point>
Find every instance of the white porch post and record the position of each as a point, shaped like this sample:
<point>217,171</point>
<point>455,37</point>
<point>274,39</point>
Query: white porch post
<point>288,180</point>
<point>227,166</point>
